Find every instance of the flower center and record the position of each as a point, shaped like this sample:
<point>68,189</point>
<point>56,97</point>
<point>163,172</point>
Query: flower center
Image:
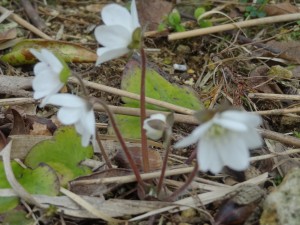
<point>216,131</point>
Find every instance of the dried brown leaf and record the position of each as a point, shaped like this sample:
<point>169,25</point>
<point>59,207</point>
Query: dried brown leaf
<point>280,9</point>
<point>39,129</point>
<point>289,50</point>
<point>23,143</point>
<point>151,13</point>
<point>155,160</point>
<point>8,35</point>
<point>18,124</point>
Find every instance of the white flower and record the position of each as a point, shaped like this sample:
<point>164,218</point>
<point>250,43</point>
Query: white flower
<point>155,126</point>
<point>48,71</point>
<point>77,111</point>
<point>224,140</point>
<point>118,32</point>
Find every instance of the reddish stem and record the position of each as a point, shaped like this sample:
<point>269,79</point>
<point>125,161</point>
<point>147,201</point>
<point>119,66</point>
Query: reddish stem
<point>122,143</point>
<point>165,162</point>
<point>185,185</point>
<point>144,146</point>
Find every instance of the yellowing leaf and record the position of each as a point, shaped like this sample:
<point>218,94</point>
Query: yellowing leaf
<point>69,52</point>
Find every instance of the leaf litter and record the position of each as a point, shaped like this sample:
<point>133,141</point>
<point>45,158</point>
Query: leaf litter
<point>222,60</point>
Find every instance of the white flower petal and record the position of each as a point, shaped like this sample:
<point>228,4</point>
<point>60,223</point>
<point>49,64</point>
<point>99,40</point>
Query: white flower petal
<point>45,81</point>
<point>52,60</point>
<point>85,136</point>
<point>105,54</point>
<point>250,119</point>
<point>208,157</point>
<point>88,120</point>
<point>194,136</point>
<point>152,133</point>
<point>252,138</point>
<point>158,116</point>
<point>231,124</point>
<point>134,15</point>
<point>114,14</point>
<point>37,54</point>
<point>68,116</point>
<point>49,94</point>
<point>85,139</point>
<point>41,67</point>
<point>67,100</point>
<point>40,94</point>
<point>235,153</point>
<point>113,36</point>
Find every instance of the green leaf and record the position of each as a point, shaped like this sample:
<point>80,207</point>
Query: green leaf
<point>156,87</point>
<point>198,12</point>
<point>179,28</point>
<point>128,125</point>
<point>205,23</point>
<point>42,180</point>
<point>63,154</point>
<point>161,27</point>
<point>8,203</point>
<point>69,52</point>
<point>174,18</point>
<point>17,217</point>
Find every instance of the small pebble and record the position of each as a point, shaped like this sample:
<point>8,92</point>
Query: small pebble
<point>180,67</point>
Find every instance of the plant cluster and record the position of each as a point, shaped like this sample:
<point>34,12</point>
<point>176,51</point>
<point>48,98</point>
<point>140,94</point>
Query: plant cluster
<point>223,137</point>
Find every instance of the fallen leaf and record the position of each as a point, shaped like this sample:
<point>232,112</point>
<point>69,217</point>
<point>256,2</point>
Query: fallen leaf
<point>289,50</point>
<point>8,35</point>
<point>151,13</point>
<point>22,144</point>
<point>155,160</point>
<point>39,129</point>
<point>69,51</point>
<point>280,9</point>
<point>18,124</point>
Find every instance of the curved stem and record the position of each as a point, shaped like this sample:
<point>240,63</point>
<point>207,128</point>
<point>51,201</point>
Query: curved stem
<point>103,152</point>
<point>84,89</point>
<point>145,155</point>
<point>122,142</point>
<point>185,185</point>
<point>165,162</point>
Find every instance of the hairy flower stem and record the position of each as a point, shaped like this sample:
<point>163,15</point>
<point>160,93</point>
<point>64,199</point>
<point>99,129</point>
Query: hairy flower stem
<point>103,152</point>
<point>176,193</point>
<point>84,89</point>
<point>144,146</point>
<point>165,162</point>
<point>122,142</point>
